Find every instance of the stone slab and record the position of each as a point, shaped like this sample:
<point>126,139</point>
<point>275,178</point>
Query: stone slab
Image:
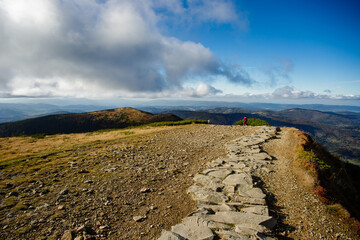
<point>246,200</point>
<point>231,235</point>
<point>259,210</point>
<point>236,179</point>
<point>167,235</point>
<point>241,218</point>
<point>261,156</point>
<point>207,195</point>
<point>217,208</point>
<point>252,193</point>
<point>220,173</point>
<point>194,228</point>
<point>209,182</point>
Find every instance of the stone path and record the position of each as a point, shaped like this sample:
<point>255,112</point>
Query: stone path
<point>229,205</point>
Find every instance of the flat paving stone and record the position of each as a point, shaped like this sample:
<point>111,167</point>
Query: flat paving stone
<point>167,235</point>
<point>250,228</point>
<point>194,228</point>
<point>231,235</point>
<point>207,195</point>
<point>259,210</point>
<point>261,156</point>
<point>252,193</point>
<point>242,218</point>
<point>217,208</point>
<point>209,182</point>
<point>236,179</point>
<point>228,189</point>
<point>246,200</point>
<point>221,173</point>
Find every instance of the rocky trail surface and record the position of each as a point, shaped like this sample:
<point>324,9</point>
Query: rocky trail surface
<point>229,205</point>
<point>162,183</point>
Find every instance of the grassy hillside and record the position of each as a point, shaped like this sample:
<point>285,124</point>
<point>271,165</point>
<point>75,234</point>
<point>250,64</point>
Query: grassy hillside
<point>83,122</point>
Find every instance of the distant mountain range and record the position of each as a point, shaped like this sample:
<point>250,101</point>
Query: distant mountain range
<point>10,112</point>
<point>83,122</point>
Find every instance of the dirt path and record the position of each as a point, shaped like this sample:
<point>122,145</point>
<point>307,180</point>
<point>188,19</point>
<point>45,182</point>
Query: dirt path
<point>300,213</point>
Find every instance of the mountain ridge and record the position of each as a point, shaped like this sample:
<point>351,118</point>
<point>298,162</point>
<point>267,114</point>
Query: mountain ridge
<point>83,122</point>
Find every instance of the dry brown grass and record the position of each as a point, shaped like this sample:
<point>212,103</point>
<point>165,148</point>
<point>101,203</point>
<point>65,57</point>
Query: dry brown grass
<point>23,147</point>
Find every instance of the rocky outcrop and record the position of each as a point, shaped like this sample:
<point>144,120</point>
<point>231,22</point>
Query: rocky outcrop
<point>229,205</point>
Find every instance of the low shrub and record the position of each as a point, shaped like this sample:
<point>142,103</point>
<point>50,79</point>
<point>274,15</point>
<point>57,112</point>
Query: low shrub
<point>254,122</point>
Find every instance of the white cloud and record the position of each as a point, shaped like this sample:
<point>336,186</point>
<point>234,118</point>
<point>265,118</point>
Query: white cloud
<point>204,89</point>
<point>87,48</point>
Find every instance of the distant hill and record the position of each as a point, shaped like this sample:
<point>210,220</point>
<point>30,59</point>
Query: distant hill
<point>83,122</point>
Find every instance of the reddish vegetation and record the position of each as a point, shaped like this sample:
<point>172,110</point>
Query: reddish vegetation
<point>335,184</point>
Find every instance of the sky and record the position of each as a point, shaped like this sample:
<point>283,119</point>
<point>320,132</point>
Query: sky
<point>259,50</point>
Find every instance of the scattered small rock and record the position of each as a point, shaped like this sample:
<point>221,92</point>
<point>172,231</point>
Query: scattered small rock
<point>139,218</point>
<point>67,235</point>
<point>61,207</point>
<point>61,198</point>
<point>64,192</point>
<point>15,194</point>
<point>145,190</point>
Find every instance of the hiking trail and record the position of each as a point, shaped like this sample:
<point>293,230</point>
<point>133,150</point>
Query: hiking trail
<point>229,203</point>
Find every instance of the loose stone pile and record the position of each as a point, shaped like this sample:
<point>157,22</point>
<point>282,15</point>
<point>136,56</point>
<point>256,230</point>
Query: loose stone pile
<point>229,205</point>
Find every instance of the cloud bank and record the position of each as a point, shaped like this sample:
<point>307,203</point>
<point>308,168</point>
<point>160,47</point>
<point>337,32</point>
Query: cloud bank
<point>86,48</point>
<point>288,92</point>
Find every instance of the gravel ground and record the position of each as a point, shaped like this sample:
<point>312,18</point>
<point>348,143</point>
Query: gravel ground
<point>121,189</point>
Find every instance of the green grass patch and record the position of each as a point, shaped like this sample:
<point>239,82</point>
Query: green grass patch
<point>254,122</point>
<point>311,156</point>
<point>38,136</point>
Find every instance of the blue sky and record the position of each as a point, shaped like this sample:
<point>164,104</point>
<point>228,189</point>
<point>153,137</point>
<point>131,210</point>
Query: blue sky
<point>273,51</point>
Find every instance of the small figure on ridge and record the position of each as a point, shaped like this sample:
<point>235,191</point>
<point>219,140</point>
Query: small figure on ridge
<point>245,121</point>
